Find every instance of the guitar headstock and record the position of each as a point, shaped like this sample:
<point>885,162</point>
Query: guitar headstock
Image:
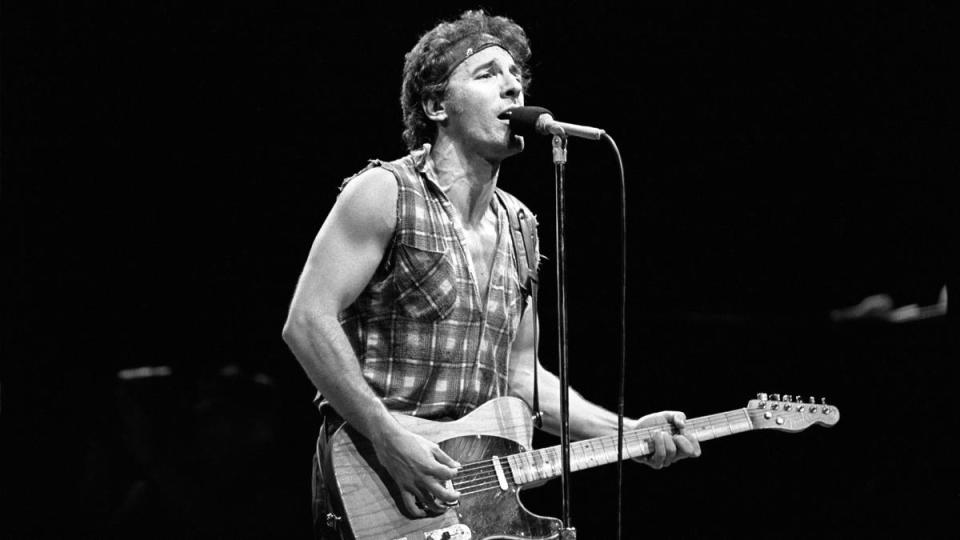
<point>787,413</point>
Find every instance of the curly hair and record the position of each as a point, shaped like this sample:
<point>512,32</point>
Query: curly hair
<point>428,65</point>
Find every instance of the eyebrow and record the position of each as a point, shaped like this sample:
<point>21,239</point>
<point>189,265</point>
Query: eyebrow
<point>513,67</point>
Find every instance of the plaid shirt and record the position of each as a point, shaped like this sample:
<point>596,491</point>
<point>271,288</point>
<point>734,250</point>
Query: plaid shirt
<point>424,340</point>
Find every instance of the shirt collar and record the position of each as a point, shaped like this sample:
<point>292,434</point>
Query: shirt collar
<point>423,163</point>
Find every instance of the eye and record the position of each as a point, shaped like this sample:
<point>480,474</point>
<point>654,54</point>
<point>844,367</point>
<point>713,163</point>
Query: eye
<point>485,75</point>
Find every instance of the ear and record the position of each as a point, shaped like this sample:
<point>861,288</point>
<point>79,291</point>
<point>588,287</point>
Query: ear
<point>434,109</point>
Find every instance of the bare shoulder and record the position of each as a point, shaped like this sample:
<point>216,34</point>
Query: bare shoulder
<point>369,201</point>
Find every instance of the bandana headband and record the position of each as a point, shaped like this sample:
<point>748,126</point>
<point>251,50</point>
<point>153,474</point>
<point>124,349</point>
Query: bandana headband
<point>469,46</point>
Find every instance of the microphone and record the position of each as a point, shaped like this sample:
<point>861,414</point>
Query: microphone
<point>539,121</point>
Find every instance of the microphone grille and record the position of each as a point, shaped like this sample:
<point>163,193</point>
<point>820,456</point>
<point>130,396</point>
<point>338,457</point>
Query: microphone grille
<point>523,120</point>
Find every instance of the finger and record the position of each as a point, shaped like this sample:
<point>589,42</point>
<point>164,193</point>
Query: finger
<point>669,450</point>
<point>429,503</point>
<point>659,451</point>
<point>678,419</point>
<point>445,493</point>
<point>410,503</point>
<point>444,459</point>
<point>441,471</point>
<point>696,445</point>
<point>686,447</point>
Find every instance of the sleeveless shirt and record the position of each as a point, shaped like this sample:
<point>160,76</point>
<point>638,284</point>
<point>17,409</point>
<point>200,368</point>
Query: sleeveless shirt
<point>426,343</point>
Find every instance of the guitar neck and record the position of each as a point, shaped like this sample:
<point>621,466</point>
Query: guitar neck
<point>544,464</point>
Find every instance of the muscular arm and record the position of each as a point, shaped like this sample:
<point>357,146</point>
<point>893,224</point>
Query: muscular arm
<point>344,256</point>
<point>342,259</point>
<point>587,420</point>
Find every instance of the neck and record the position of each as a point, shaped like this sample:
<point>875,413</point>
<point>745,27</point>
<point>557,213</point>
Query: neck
<point>543,464</point>
<point>468,179</point>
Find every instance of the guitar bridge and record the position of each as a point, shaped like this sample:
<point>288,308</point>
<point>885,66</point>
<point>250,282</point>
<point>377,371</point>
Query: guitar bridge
<point>454,532</point>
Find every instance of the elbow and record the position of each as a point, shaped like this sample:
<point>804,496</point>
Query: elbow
<point>301,323</point>
<point>288,332</point>
<point>293,326</point>
<point>521,386</point>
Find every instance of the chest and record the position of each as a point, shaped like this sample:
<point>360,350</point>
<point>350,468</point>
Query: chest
<point>481,244</point>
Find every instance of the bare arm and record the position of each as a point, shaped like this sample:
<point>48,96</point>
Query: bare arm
<point>587,420</point>
<point>344,256</point>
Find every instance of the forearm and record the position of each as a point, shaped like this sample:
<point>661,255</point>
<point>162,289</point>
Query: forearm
<point>323,350</point>
<point>587,419</point>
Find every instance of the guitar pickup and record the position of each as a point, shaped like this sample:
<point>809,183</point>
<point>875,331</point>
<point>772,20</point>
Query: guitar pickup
<point>501,477</point>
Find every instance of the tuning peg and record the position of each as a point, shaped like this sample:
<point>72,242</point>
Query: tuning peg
<point>823,401</point>
<point>775,397</point>
<point>762,396</point>
<point>812,400</point>
<point>788,397</point>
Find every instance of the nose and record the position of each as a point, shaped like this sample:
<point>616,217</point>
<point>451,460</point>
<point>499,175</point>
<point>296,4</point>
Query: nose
<point>512,86</point>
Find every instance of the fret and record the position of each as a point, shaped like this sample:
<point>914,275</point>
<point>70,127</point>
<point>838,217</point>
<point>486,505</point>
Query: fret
<point>525,468</point>
<point>519,475</point>
<point>531,466</point>
<point>555,460</point>
<point>589,454</point>
<point>546,457</point>
<point>576,457</point>
<point>537,459</point>
<point>547,462</point>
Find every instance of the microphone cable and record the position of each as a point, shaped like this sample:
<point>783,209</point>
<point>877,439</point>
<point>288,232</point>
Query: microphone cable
<point>622,329</point>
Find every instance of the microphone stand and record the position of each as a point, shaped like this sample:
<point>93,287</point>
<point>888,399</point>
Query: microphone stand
<point>567,532</point>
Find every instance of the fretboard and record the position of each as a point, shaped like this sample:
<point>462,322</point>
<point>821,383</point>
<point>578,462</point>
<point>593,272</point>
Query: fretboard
<point>543,464</point>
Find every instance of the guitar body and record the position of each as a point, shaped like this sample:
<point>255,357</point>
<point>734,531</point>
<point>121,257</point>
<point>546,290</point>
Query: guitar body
<point>370,504</point>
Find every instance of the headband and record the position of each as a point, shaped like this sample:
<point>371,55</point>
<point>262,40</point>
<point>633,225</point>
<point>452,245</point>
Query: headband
<point>469,46</point>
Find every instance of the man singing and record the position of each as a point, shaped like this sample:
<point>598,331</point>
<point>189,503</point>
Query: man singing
<point>410,300</point>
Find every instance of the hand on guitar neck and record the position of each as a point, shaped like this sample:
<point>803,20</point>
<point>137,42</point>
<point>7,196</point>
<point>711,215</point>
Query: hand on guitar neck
<point>669,444</point>
<point>420,469</point>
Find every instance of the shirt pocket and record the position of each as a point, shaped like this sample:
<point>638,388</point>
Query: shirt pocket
<point>425,283</point>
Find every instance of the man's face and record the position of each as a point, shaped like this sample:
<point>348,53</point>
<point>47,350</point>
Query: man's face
<point>480,89</point>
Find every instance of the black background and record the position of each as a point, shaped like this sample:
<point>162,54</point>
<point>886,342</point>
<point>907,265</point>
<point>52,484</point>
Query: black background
<point>167,164</point>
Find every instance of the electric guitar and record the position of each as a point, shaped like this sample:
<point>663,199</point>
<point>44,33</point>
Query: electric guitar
<point>491,444</point>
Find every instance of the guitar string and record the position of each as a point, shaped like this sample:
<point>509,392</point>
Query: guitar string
<point>632,436</point>
<point>486,466</point>
<point>482,475</point>
<point>709,422</point>
<point>484,469</point>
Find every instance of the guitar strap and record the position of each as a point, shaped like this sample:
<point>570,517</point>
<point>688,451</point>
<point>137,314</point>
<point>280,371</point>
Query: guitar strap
<point>524,235</point>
